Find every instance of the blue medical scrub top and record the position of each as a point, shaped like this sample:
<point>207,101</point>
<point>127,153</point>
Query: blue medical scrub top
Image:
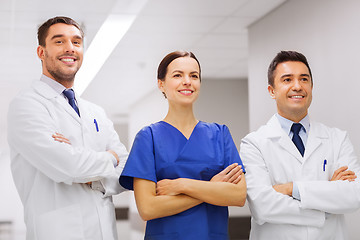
<point>161,151</point>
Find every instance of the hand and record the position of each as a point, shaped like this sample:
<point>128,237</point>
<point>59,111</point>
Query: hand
<point>115,155</point>
<point>231,174</point>
<point>60,138</point>
<point>285,188</point>
<point>343,174</point>
<point>169,187</point>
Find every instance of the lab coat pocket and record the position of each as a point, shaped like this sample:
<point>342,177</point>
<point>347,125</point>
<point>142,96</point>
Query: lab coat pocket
<point>327,171</point>
<point>64,223</point>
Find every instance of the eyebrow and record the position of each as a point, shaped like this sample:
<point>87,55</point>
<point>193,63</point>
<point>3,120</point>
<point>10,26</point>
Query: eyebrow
<point>290,75</point>
<point>62,35</point>
<point>183,71</point>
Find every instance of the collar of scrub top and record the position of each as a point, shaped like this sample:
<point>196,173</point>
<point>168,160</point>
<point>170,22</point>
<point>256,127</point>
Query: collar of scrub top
<point>286,126</point>
<point>57,87</point>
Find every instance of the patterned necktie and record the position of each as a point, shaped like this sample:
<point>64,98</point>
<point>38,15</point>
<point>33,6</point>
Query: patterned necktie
<point>295,128</point>
<point>70,95</point>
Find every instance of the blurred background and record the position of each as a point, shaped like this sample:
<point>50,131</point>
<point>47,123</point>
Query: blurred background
<point>234,40</point>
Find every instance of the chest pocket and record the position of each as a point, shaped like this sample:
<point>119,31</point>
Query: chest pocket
<point>94,133</point>
<point>327,170</point>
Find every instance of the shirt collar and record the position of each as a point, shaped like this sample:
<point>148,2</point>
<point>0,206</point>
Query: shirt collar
<point>57,87</point>
<point>286,123</point>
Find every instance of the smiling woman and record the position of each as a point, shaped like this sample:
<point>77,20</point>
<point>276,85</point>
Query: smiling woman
<point>182,169</point>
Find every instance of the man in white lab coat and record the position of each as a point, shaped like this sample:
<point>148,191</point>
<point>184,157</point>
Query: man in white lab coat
<point>300,182</point>
<point>66,157</point>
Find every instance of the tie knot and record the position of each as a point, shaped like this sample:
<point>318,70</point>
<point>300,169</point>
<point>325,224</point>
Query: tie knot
<point>69,93</point>
<point>295,128</point>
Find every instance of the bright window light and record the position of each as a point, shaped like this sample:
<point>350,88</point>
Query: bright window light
<point>105,41</point>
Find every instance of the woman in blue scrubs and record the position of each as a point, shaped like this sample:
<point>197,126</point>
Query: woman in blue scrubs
<point>184,172</point>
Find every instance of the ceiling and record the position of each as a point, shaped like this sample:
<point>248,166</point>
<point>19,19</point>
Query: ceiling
<point>215,30</point>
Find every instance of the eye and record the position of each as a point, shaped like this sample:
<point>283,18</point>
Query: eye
<point>304,79</point>
<point>287,80</point>
<point>195,76</point>
<point>58,41</point>
<point>176,75</point>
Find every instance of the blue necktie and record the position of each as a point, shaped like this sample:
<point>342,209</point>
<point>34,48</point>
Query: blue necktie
<point>295,128</point>
<point>70,95</point>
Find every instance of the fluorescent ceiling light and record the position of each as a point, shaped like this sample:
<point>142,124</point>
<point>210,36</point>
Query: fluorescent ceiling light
<point>109,35</point>
<point>105,41</point>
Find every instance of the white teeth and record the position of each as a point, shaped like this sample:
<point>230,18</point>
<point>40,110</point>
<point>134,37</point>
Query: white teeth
<point>186,92</point>
<point>296,96</point>
<point>67,60</point>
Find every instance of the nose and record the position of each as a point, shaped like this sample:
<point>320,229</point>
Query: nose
<point>297,85</point>
<point>187,80</point>
<point>69,47</point>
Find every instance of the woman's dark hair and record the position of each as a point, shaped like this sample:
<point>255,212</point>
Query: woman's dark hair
<point>162,69</point>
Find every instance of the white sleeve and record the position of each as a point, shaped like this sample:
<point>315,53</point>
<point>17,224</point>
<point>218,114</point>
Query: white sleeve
<point>30,130</point>
<point>111,183</point>
<point>267,205</point>
<point>336,197</point>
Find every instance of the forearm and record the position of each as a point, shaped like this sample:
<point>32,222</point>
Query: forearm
<point>151,206</point>
<point>216,193</point>
<point>269,206</point>
<point>336,197</point>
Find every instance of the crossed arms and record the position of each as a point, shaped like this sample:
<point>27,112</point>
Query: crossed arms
<point>169,197</point>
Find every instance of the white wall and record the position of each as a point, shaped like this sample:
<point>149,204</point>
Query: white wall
<point>328,33</point>
<point>225,102</point>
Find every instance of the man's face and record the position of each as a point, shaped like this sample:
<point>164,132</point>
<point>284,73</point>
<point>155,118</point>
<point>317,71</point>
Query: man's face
<point>63,53</point>
<point>292,90</point>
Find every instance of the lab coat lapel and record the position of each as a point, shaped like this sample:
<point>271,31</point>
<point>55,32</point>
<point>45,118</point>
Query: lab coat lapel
<point>47,92</point>
<point>65,104</point>
<point>314,139</point>
<point>275,131</point>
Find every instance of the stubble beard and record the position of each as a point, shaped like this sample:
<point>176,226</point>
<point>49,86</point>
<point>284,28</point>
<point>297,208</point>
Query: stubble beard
<point>57,73</point>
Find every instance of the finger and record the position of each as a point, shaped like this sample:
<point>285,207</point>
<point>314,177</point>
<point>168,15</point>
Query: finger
<point>236,181</point>
<point>348,177</point>
<point>235,176</point>
<point>64,140</point>
<point>341,169</point>
<point>337,173</point>
<point>233,171</point>
<point>346,173</point>
<point>229,168</point>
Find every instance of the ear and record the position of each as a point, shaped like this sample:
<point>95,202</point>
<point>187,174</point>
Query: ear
<point>40,52</point>
<point>271,91</point>
<point>161,85</point>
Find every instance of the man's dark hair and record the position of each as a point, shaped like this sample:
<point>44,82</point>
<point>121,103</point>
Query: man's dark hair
<point>44,28</point>
<point>286,56</point>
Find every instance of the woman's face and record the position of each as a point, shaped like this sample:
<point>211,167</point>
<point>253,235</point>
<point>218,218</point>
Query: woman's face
<point>182,81</point>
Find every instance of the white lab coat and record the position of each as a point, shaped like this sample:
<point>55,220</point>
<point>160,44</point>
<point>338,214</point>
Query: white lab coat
<point>51,176</point>
<point>270,158</point>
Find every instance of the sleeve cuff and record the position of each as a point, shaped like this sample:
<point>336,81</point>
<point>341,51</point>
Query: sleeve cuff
<point>97,186</point>
<point>295,192</point>
<point>114,160</point>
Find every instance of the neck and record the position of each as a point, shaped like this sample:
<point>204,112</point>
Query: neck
<point>67,83</point>
<point>181,117</point>
<point>294,117</point>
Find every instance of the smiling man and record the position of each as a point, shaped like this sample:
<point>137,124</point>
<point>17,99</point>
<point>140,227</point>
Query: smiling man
<point>66,157</point>
<point>301,175</point>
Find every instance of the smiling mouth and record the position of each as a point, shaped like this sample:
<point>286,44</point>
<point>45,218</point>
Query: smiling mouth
<point>68,59</point>
<point>186,92</point>
<point>297,97</point>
